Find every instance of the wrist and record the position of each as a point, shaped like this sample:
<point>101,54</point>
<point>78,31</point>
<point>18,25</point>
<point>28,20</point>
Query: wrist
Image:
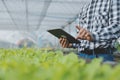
<point>69,45</point>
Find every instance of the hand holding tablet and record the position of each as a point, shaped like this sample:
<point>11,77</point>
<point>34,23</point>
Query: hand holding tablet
<point>61,33</point>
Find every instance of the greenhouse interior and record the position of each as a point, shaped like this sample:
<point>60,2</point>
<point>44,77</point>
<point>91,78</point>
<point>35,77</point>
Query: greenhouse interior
<point>28,51</point>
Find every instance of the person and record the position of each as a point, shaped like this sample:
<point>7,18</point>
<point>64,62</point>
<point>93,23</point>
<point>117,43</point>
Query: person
<point>99,28</point>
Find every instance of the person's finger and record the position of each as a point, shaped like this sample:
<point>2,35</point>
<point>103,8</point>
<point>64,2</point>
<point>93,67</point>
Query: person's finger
<point>65,43</point>
<point>78,27</point>
<point>81,31</point>
<point>82,35</point>
<point>79,34</point>
<point>87,34</point>
<point>60,40</point>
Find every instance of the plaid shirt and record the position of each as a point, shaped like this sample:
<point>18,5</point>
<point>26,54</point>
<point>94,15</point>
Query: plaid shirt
<point>102,19</point>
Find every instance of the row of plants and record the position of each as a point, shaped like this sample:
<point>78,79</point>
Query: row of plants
<point>37,64</point>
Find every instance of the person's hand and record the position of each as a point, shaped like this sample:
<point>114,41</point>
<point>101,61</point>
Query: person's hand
<point>64,43</point>
<point>84,34</point>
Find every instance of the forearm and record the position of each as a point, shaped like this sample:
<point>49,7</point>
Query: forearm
<point>107,33</point>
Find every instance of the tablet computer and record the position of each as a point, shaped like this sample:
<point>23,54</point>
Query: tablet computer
<point>61,33</point>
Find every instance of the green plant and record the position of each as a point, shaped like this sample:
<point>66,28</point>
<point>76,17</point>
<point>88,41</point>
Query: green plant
<point>37,64</point>
<point>117,46</point>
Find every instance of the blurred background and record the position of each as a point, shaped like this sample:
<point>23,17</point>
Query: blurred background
<point>24,23</point>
